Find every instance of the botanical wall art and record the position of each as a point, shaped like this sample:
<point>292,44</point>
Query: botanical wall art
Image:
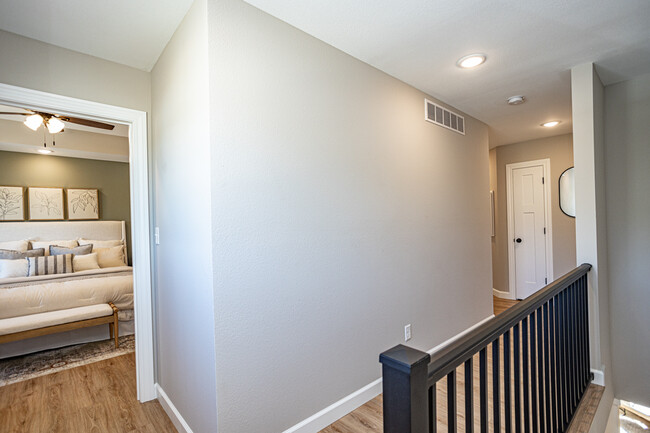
<point>45,203</point>
<point>12,203</point>
<point>83,204</point>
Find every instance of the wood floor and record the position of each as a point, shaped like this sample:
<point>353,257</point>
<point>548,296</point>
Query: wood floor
<point>97,397</point>
<point>368,418</point>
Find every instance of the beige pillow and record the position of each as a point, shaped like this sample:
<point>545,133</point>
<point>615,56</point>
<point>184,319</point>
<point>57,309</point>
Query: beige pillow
<point>85,262</point>
<point>101,244</point>
<point>14,268</point>
<point>110,257</point>
<point>46,245</point>
<point>20,246</point>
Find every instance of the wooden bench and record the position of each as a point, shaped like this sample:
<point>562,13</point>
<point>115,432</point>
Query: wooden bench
<point>36,325</point>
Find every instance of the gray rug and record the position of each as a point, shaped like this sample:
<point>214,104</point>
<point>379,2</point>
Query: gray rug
<point>33,365</point>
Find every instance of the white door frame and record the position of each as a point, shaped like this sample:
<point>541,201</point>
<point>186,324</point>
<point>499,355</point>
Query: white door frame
<point>139,173</point>
<point>548,221</point>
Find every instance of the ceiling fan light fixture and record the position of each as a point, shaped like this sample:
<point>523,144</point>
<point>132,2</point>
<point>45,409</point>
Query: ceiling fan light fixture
<point>54,125</point>
<point>34,121</point>
<point>471,61</point>
<point>45,151</point>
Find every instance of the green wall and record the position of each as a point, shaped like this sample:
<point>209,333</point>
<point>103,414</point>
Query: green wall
<point>110,178</point>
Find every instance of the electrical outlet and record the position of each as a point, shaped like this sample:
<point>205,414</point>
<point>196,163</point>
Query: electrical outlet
<point>407,332</point>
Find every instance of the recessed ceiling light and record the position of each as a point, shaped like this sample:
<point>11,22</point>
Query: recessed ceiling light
<point>45,151</point>
<point>551,124</point>
<point>471,61</point>
<point>516,100</point>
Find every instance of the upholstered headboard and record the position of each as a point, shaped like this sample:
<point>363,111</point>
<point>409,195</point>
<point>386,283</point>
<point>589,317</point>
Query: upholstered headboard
<point>62,230</point>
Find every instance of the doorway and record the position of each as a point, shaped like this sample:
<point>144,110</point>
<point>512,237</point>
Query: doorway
<point>139,189</point>
<point>530,249</point>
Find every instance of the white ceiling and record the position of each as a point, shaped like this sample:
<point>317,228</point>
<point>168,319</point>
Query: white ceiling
<point>531,47</point>
<point>130,32</point>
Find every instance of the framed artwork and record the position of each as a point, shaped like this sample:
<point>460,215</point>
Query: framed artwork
<point>45,203</point>
<point>12,203</point>
<point>83,204</point>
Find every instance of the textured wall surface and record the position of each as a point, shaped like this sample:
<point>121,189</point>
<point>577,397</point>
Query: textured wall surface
<point>627,128</point>
<point>339,216</point>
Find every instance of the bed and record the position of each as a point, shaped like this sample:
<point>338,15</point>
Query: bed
<point>22,296</point>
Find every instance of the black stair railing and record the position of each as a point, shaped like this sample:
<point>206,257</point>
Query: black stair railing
<point>539,352</point>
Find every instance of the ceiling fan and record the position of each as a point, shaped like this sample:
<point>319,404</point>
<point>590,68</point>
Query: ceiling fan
<point>55,123</point>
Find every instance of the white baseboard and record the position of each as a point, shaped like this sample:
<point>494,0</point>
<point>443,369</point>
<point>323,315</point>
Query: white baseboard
<point>347,404</point>
<point>332,413</point>
<point>599,377</point>
<point>172,412</point>
<point>501,294</point>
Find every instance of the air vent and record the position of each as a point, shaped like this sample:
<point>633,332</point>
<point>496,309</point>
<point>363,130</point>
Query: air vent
<point>434,113</point>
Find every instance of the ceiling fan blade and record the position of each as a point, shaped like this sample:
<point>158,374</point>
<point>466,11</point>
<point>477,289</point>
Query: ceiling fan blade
<point>9,113</point>
<point>86,122</point>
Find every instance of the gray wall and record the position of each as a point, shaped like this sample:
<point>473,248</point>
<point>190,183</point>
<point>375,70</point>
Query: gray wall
<point>40,66</point>
<point>559,150</point>
<point>111,178</point>
<point>339,216</point>
<point>627,128</point>
<point>181,152</point>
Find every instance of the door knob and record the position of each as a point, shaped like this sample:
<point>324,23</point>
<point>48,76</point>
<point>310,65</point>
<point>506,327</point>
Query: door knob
<point>518,240</point>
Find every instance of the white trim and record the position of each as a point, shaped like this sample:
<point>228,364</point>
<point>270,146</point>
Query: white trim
<point>548,221</point>
<point>502,294</point>
<point>599,377</point>
<point>347,404</point>
<point>174,415</point>
<point>338,410</point>
<point>139,176</point>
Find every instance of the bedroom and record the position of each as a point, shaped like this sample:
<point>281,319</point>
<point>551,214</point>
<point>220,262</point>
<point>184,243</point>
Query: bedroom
<point>84,173</point>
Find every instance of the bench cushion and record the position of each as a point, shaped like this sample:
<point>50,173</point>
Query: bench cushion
<point>41,320</point>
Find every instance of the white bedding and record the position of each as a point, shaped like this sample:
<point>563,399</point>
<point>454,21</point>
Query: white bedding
<point>31,295</point>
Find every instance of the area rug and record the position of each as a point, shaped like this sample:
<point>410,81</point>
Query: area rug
<point>26,367</point>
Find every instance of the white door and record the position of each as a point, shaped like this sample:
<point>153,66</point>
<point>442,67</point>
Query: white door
<point>528,212</point>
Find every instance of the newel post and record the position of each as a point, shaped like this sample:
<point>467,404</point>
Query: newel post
<point>404,372</point>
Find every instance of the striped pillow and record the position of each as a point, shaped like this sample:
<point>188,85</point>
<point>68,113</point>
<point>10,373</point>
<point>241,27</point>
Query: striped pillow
<point>48,265</point>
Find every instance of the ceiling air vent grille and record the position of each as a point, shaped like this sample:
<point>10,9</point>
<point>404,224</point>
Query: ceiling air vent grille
<point>434,113</point>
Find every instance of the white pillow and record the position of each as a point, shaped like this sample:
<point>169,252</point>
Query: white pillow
<point>14,268</point>
<point>85,262</point>
<point>101,244</point>
<point>20,246</point>
<point>46,245</point>
<point>110,257</point>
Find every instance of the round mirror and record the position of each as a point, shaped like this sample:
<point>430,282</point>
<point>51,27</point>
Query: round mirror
<point>568,193</point>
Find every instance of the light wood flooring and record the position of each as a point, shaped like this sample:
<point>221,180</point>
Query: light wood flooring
<point>97,397</point>
<point>368,418</point>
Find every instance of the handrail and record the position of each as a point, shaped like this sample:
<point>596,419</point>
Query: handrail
<point>451,356</point>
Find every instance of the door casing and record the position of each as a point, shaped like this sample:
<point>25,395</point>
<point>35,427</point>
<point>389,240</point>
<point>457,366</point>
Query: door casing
<point>548,221</point>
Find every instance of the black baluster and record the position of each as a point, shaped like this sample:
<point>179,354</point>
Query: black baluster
<point>451,402</point>
<point>525,371</point>
<point>547,372</point>
<point>533,370</point>
<point>469,395</point>
<point>507,377</point>
<point>496,398</point>
<point>517,384</point>
<point>483,382</point>
<point>554,345</point>
<point>541,354</point>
